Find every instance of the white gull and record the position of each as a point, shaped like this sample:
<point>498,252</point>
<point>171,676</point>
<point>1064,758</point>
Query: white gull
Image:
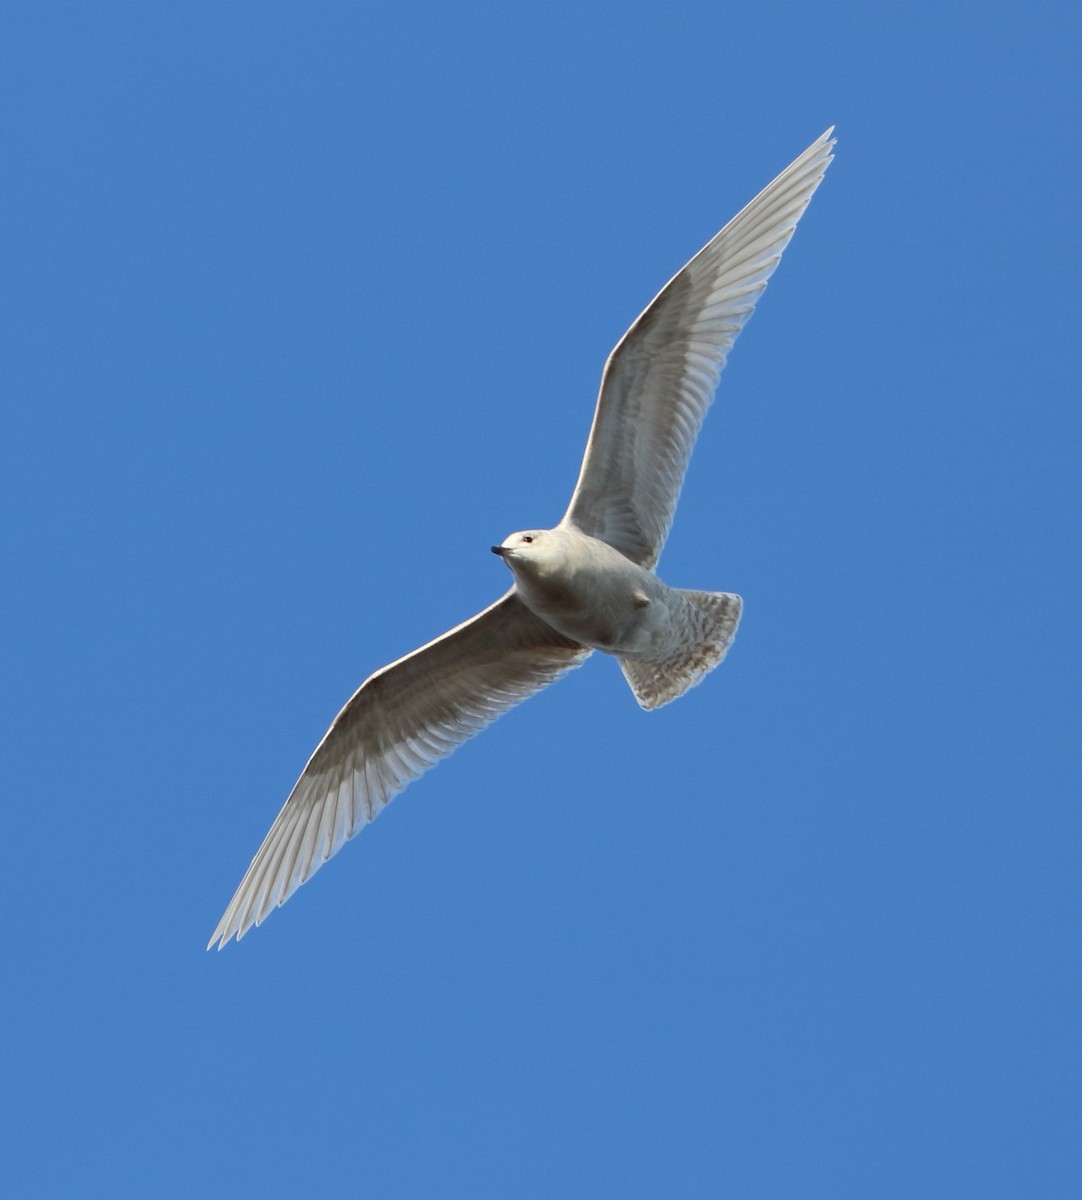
<point>587,584</point>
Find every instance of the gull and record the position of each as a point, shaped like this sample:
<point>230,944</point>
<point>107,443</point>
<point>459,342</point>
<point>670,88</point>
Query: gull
<point>587,584</point>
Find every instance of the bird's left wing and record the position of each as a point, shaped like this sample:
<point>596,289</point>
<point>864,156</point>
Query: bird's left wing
<point>401,721</point>
<point>660,379</point>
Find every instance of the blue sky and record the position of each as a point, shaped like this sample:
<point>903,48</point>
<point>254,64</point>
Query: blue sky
<point>304,307</point>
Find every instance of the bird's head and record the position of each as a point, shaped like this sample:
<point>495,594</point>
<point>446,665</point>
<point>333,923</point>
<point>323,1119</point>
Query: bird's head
<point>522,545</point>
<point>529,551</point>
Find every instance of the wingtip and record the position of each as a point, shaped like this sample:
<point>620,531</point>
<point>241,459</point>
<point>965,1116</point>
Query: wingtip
<point>821,152</point>
<point>224,934</point>
<point>824,144</point>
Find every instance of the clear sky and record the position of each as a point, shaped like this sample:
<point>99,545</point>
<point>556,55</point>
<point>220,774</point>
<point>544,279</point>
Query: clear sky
<point>304,307</point>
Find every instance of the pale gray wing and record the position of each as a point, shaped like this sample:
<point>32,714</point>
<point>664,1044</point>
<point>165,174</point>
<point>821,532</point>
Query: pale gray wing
<point>661,378</point>
<point>401,721</point>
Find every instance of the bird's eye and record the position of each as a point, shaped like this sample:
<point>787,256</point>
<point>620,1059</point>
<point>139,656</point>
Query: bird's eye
<point>526,538</point>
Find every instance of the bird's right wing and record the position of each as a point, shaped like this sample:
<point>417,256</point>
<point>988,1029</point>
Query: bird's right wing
<point>401,721</point>
<point>661,378</point>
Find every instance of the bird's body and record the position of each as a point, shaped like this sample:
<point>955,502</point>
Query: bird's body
<point>587,584</point>
<point>665,638</point>
<point>590,592</point>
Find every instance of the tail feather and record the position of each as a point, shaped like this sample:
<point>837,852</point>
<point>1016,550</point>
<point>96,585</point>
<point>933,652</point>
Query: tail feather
<point>714,621</point>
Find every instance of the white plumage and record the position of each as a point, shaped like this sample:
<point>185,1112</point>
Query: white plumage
<point>586,584</point>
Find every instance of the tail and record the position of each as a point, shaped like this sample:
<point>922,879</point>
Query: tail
<point>712,621</point>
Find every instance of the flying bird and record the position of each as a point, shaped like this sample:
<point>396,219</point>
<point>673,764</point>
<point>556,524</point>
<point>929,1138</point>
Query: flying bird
<point>587,584</point>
